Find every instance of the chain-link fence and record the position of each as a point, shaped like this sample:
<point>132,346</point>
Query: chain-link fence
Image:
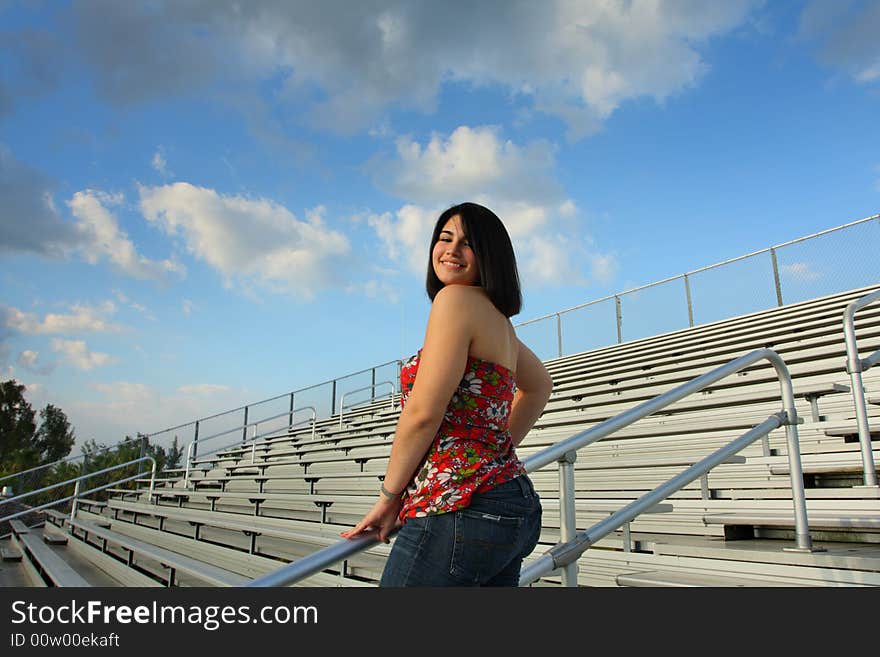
<point>834,260</point>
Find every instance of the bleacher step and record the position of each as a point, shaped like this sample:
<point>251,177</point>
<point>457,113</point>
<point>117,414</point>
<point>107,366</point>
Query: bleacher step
<point>10,554</point>
<point>54,538</point>
<point>674,579</point>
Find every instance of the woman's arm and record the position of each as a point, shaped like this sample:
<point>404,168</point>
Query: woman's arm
<point>534,386</point>
<point>443,359</point>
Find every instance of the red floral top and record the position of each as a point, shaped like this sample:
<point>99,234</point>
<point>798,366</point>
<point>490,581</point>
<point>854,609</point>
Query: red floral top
<point>472,451</point>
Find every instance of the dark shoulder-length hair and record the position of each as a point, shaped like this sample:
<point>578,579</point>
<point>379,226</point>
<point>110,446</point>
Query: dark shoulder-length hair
<point>493,249</point>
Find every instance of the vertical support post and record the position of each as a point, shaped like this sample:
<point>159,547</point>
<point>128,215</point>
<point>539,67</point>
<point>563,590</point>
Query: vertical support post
<point>687,292</point>
<point>290,416</point>
<point>567,516</point>
<point>75,504</point>
<point>559,334</point>
<point>373,388</point>
<point>154,500</point>
<point>143,440</point>
<point>333,398</point>
<point>195,443</point>
<point>796,473</point>
<point>854,367</point>
<point>244,426</point>
<point>776,276</point>
<point>619,315</point>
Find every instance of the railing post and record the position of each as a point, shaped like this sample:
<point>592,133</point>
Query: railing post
<point>244,426</point>
<point>567,513</point>
<point>333,399</point>
<point>619,315</point>
<point>687,292</point>
<point>290,417</point>
<point>776,276</point>
<point>75,502</point>
<point>195,443</point>
<point>855,367</point>
<point>373,390</point>
<point>796,473</point>
<point>559,334</point>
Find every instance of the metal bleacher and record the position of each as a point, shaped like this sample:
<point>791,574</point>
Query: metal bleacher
<point>251,508</point>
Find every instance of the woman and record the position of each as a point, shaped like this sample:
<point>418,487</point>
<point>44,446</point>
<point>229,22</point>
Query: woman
<point>469,511</point>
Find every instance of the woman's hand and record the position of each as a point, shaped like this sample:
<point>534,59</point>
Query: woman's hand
<point>382,518</point>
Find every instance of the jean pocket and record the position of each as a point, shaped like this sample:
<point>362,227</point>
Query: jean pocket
<point>484,544</point>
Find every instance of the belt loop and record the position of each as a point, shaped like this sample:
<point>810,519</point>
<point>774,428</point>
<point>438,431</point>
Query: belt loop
<point>524,486</point>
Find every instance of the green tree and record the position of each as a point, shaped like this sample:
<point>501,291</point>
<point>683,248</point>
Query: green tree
<point>54,438</point>
<point>17,428</point>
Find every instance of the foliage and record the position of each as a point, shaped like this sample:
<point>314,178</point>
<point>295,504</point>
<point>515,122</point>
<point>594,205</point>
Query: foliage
<point>25,445</point>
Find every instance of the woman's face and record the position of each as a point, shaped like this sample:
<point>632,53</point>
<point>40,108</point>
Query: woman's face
<point>452,257</point>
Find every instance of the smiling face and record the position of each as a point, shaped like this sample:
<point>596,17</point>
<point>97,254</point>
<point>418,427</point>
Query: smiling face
<point>453,259</point>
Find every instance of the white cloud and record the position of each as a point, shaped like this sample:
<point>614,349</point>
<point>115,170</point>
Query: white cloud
<point>159,164</point>
<point>470,162</point>
<point>516,182</point>
<point>82,318</point>
<point>77,353</point>
<point>29,221</point>
<point>846,35</point>
<point>251,241</point>
<point>203,389</point>
<point>29,361</point>
<point>342,64</point>
<point>187,307</point>
<point>800,271</point>
<point>126,408</point>
<point>106,240</point>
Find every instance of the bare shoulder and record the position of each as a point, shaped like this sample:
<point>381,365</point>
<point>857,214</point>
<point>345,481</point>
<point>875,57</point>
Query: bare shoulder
<point>460,298</point>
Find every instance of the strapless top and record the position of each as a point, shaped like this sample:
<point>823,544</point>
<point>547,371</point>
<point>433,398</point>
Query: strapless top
<point>472,451</point>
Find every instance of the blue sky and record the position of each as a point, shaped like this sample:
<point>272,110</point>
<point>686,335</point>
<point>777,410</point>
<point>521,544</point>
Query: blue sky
<point>205,204</point>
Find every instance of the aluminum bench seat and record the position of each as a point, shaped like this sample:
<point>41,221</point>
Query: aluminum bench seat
<point>41,562</point>
<point>824,313</point>
<point>233,558</point>
<point>174,561</point>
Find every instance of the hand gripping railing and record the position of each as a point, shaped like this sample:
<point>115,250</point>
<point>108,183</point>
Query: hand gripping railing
<point>369,387</point>
<point>194,444</point>
<point>855,366</point>
<point>77,493</point>
<point>565,555</point>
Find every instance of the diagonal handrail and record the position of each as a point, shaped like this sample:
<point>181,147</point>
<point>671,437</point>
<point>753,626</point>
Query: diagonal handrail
<point>564,453</point>
<point>77,493</point>
<point>369,387</point>
<point>855,366</point>
<point>193,444</point>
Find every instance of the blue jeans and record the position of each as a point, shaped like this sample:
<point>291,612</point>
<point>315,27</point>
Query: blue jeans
<point>481,545</point>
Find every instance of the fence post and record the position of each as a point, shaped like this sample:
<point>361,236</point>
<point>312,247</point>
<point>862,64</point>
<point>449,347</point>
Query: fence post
<point>559,333</point>
<point>195,446</point>
<point>290,417</point>
<point>244,426</point>
<point>333,399</point>
<point>776,276</point>
<point>619,314</point>
<point>687,291</point>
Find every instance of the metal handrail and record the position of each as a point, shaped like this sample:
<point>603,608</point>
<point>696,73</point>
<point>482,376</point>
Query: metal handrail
<point>198,441</point>
<point>77,493</point>
<point>855,366</point>
<point>369,387</point>
<point>564,453</point>
<point>265,401</point>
